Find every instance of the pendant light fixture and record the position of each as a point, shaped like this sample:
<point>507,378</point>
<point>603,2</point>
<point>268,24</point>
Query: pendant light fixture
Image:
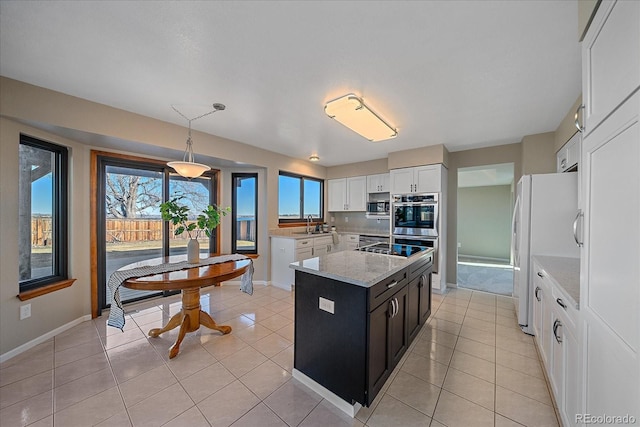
<point>188,168</point>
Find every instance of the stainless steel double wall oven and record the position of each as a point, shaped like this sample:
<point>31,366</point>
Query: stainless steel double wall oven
<point>414,221</point>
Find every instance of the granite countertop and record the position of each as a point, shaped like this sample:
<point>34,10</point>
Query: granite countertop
<point>355,267</point>
<point>565,272</point>
<point>298,235</point>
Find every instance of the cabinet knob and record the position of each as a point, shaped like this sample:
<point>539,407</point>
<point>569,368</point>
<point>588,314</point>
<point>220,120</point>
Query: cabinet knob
<point>561,303</point>
<point>540,275</point>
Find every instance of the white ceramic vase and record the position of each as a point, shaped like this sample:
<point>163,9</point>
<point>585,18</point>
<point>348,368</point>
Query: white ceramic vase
<point>193,251</point>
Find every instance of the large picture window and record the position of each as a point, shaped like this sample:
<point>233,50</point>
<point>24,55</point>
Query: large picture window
<point>299,197</point>
<point>244,213</point>
<point>43,223</point>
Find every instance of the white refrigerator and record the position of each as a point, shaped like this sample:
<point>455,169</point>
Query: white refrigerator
<point>545,208</point>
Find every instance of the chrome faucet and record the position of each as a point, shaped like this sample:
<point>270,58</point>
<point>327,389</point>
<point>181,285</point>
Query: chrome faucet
<point>309,219</point>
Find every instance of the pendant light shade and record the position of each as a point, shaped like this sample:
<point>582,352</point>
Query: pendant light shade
<point>188,168</point>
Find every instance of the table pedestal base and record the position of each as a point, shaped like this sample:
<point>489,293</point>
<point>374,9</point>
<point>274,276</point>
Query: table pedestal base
<point>190,318</point>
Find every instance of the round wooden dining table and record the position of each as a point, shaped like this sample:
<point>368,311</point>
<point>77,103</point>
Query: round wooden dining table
<point>188,281</point>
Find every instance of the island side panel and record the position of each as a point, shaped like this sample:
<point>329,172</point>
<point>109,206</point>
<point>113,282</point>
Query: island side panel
<point>331,348</point>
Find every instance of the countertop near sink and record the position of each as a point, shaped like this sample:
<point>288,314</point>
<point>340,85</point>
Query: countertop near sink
<point>565,272</point>
<point>296,234</point>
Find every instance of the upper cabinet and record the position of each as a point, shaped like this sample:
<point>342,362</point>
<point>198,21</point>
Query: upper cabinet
<point>348,194</point>
<point>420,179</point>
<point>378,183</point>
<point>610,60</point>
<point>568,156</point>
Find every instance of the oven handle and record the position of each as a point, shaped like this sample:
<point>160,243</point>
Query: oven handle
<point>415,203</point>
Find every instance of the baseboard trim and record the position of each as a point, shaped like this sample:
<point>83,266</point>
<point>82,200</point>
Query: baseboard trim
<point>42,338</point>
<point>341,404</point>
<point>237,283</point>
<point>483,258</point>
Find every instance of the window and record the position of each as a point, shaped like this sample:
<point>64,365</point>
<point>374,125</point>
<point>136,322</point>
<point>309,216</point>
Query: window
<point>298,197</point>
<point>42,224</point>
<point>244,213</point>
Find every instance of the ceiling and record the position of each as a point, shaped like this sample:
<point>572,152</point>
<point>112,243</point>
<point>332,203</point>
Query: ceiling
<point>465,74</point>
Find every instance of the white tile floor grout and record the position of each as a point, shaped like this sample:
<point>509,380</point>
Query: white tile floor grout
<point>470,366</point>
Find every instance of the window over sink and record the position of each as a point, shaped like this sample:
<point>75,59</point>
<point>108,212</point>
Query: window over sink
<point>298,197</point>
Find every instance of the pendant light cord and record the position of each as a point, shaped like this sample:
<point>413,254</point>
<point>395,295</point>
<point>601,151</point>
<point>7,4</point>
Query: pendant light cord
<point>188,153</point>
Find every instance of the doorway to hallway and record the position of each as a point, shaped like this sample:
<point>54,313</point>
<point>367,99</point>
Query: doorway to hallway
<point>485,207</point>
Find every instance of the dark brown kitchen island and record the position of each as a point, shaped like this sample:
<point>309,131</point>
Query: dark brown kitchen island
<point>356,314</point>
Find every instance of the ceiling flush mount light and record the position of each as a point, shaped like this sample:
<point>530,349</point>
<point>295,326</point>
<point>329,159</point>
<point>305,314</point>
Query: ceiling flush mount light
<point>314,158</point>
<point>187,167</point>
<point>352,112</point>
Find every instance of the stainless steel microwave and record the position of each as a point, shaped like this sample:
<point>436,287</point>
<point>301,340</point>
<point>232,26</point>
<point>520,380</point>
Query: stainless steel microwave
<point>378,208</point>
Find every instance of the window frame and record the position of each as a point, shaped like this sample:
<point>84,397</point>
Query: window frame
<point>59,214</point>
<point>301,219</point>
<point>234,212</point>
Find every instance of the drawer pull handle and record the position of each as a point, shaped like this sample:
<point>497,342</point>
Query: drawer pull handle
<point>561,303</point>
<point>557,324</point>
<point>392,284</point>
<point>536,293</point>
<point>540,275</point>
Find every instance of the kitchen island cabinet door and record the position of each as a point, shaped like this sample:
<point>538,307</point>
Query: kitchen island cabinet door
<point>419,301</point>
<point>388,339</point>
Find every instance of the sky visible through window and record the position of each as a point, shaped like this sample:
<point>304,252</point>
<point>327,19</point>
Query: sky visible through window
<point>289,197</point>
<point>41,192</point>
<point>246,198</point>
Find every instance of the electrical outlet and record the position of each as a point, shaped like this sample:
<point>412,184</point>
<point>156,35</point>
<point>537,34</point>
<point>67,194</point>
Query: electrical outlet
<point>25,311</point>
<point>327,305</point>
<point>333,219</point>
<point>378,220</point>
<point>459,244</point>
<point>346,219</point>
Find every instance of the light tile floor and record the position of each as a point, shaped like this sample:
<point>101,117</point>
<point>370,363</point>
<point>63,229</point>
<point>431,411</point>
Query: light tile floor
<point>470,366</point>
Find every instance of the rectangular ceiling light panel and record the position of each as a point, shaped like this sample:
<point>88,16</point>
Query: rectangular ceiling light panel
<point>354,114</point>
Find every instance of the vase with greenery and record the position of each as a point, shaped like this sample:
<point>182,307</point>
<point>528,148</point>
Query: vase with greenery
<point>206,222</point>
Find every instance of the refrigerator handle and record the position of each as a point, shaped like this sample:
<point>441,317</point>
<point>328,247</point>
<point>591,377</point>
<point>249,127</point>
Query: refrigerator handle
<point>575,228</point>
<point>514,232</point>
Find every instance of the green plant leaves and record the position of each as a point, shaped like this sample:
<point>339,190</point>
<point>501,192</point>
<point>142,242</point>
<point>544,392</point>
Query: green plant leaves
<point>179,215</point>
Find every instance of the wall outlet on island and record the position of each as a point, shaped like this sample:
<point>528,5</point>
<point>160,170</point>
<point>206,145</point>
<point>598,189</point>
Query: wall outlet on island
<point>25,311</point>
<point>326,305</point>
<point>346,219</point>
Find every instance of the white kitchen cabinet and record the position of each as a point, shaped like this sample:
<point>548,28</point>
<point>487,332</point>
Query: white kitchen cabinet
<point>347,194</point>
<point>556,330</point>
<point>285,250</point>
<point>378,183</point>
<point>609,286</point>
<point>420,179</point>
<point>542,315</point>
<point>349,242</point>
<point>610,60</point>
<point>568,156</point>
